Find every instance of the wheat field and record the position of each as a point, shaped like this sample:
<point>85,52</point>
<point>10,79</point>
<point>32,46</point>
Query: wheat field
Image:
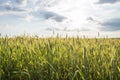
<point>34,58</point>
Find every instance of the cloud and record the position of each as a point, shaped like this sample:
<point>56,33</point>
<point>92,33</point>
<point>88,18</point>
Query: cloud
<point>11,6</point>
<point>111,25</point>
<point>107,1</point>
<point>106,25</point>
<point>53,16</point>
<point>47,3</point>
<point>90,19</point>
<point>14,3</point>
<point>93,20</point>
<point>29,7</point>
<point>49,15</point>
<point>58,18</point>
<point>21,2</point>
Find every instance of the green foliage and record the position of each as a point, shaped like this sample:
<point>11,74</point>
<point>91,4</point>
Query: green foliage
<point>33,58</point>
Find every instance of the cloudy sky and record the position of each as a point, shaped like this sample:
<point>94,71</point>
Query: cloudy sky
<point>72,17</point>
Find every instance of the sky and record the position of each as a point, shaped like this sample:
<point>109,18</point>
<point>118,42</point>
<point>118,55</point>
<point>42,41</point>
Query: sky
<point>63,17</point>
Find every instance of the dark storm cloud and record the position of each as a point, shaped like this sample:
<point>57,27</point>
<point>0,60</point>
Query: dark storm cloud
<point>107,1</point>
<point>111,25</point>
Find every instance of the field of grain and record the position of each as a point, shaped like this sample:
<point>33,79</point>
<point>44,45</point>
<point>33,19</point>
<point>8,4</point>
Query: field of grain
<point>33,58</point>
